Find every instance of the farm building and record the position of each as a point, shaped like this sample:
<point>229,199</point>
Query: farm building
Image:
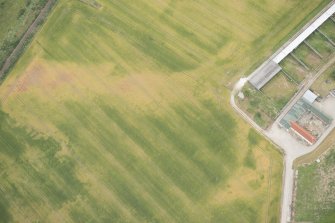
<point>305,121</point>
<point>303,133</point>
<point>309,96</point>
<point>263,74</point>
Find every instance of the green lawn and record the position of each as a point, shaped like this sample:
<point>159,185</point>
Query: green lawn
<point>308,57</point>
<point>287,87</point>
<point>119,113</point>
<point>293,68</point>
<point>319,43</point>
<point>315,192</point>
<point>329,29</point>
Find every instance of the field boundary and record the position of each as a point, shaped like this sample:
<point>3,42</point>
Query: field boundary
<point>312,156</point>
<point>27,36</point>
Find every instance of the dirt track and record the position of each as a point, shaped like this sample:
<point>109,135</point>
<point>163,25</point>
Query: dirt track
<point>13,57</point>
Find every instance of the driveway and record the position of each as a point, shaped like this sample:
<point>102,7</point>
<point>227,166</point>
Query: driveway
<point>291,148</point>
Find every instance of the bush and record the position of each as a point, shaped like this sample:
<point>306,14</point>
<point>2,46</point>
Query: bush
<point>333,75</point>
<point>258,119</point>
<point>247,93</point>
<point>21,12</point>
<point>28,2</point>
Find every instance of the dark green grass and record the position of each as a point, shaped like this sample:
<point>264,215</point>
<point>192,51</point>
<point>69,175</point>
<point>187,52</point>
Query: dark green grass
<point>259,105</point>
<point>15,18</point>
<point>4,213</point>
<point>15,141</point>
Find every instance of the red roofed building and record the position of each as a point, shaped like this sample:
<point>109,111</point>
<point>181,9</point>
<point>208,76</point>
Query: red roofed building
<point>303,133</point>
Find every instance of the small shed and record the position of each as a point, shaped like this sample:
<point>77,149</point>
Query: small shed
<point>309,96</point>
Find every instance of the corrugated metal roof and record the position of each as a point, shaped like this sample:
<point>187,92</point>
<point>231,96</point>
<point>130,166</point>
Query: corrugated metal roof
<point>303,132</point>
<point>264,74</point>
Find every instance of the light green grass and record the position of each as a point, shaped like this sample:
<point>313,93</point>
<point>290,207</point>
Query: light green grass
<point>315,193</point>
<point>329,29</point>
<point>287,88</point>
<point>325,83</point>
<point>294,69</point>
<point>319,43</point>
<point>308,57</point>
<point>119,114</point>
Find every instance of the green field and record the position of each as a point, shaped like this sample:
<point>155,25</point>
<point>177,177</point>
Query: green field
<point>121,113</point>
<point>315,191</point>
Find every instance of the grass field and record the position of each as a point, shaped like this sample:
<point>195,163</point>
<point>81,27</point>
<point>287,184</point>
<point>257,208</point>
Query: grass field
<point>325,83</point>
<point>317,41</point>
<point>315,191</point>
<point>120,113</point>
<point>288,88</point>
<point>328,29</point>
<point>308,57</point>
<point>294,69</point>
<point>15,18</point>
<point>323,47</point>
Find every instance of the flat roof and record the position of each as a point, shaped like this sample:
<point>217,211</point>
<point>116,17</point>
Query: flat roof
<point>302,36</point>
<point>309,96</point>
<point>264,74</point>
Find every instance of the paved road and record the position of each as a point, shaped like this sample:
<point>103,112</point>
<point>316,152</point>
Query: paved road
<point>291,148</point>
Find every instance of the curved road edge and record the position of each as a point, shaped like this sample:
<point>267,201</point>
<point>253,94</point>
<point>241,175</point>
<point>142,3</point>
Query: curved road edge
<point>287,181</point>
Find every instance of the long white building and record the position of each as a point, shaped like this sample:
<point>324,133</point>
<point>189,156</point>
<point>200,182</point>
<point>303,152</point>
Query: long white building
<point>270,68</point>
